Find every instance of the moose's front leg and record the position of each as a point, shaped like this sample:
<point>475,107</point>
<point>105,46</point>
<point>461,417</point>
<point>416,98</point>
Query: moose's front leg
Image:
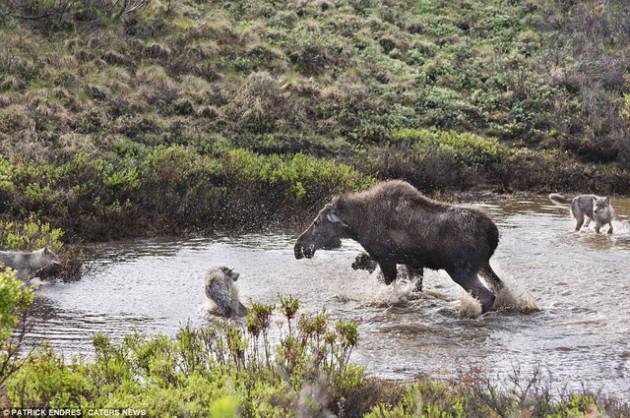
<point>389,271</point>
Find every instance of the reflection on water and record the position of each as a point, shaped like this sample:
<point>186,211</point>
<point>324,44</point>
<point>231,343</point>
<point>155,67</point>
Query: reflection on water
<point>580,282</point>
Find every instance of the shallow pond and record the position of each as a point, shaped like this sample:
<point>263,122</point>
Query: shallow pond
<point>580,282</point>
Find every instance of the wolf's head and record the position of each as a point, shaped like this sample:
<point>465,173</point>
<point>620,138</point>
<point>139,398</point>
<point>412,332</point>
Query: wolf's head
<point>230,273</point>
<point>45,258</point>
<point>602,208</point>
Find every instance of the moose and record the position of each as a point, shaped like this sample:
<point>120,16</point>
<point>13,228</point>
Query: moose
<point>396,224</point>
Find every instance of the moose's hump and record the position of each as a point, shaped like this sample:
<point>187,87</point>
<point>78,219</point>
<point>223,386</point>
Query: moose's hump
<point>388,195</point>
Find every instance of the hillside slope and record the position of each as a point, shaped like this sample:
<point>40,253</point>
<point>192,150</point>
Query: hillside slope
<point>186,113</point>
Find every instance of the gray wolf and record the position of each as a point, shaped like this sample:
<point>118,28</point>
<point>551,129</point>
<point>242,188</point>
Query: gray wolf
<point>396,224</point>
<point>363,261</point>
<point>29,263</point>
<point>220,288</point>
<point>589,206</point>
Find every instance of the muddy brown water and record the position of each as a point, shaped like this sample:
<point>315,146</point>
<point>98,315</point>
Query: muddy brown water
<point>579,281</point>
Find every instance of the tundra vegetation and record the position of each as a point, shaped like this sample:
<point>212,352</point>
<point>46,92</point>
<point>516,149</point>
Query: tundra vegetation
<point>139,117</point>
<point>234,369</point>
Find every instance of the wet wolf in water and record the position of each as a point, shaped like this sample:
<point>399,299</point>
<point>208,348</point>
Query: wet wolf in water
<point>220,288</point>
<point>588,206</point>
<point>396,224</point>
<point>28,264</point>
<point>363,261</point>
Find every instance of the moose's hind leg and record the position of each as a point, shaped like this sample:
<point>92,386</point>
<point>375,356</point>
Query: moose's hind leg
<point>471,283</point>
<point>494,280</point>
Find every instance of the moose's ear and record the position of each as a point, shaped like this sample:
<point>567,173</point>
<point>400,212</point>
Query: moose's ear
<point>332,217</point>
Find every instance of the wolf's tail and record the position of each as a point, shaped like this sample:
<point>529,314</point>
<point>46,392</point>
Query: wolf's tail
<point>559,199</point>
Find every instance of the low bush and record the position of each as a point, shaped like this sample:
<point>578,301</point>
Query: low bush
<point>167,188</point>
<point>29,236</point>
<point>472,150</point>
<point>15,300</point>
<point>231,368</point>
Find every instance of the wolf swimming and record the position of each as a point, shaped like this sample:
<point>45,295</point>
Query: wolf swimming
<point>220,288</point>
<point>363,261</point>
<point>396,224</point>
<point>29,263</point>
<point>589,206</point>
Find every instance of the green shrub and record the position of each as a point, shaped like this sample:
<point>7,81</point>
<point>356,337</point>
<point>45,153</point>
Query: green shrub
<point>15,298</point>
<point>136,189</point>
<point>304,177</point>
<point>200,370</point>
<point>219,371</point>
<point>29,236</point>
<point>468,148</point>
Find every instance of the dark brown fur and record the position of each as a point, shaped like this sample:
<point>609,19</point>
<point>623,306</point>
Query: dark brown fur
<point>396,224</point>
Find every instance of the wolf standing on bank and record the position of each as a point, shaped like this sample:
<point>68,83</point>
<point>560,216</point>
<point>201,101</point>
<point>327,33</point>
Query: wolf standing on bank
<point>588,206</point>
<point>28,264</point>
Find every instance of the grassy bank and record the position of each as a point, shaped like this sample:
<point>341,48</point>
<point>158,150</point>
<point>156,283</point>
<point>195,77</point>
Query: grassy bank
<point>231,369</point>
<point>118,120</point>
<point>157,191</point>
<point>170,188</point>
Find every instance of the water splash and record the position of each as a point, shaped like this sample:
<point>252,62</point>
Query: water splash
<point>369,290</point>
<point>511,298</point>
<point>469,306</point>
<point>515,300</point>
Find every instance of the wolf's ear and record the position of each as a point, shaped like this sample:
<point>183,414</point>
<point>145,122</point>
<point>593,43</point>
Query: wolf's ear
<point>607,199</point>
